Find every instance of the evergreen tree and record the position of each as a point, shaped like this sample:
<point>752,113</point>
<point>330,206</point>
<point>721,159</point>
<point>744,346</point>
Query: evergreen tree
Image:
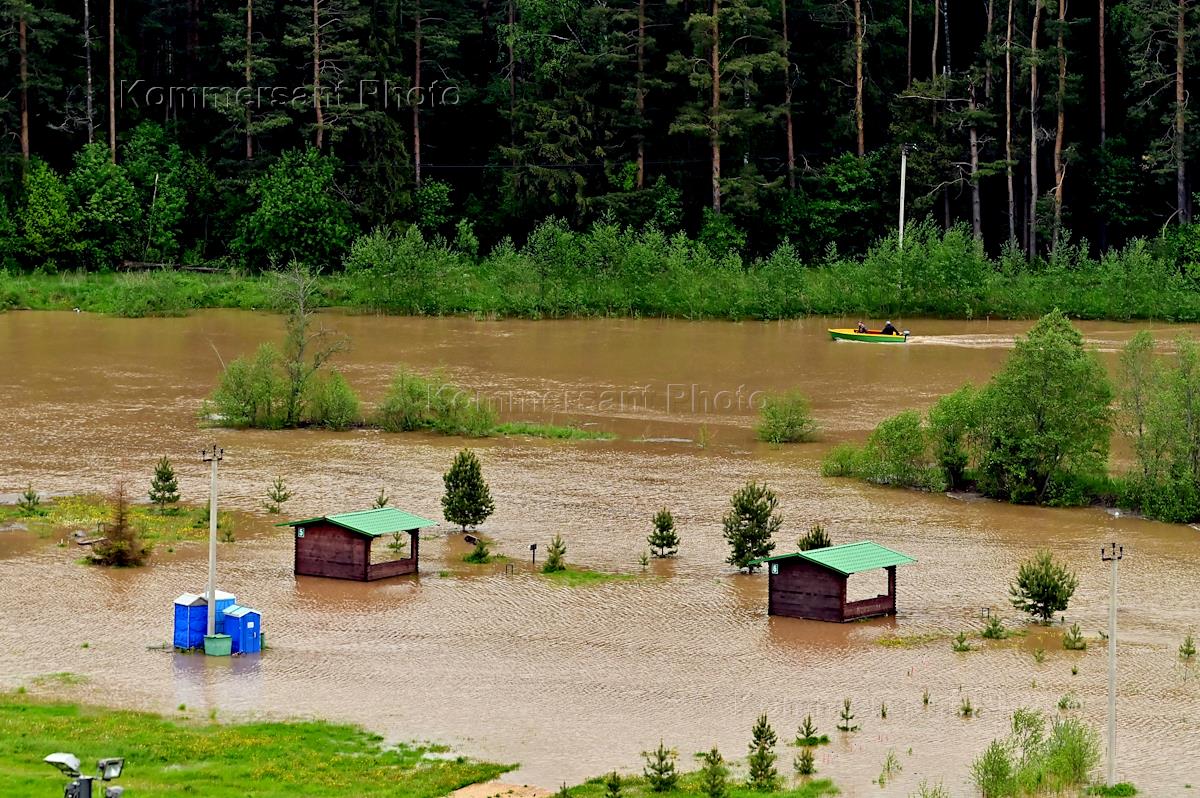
<point>1042,587</point>
<point>277,494</point>
<point>846,724</point>
<point>121,545</point>
<point>714,775</point>
<point>763,775</point>
<point>750,523</point>
<point>164,488</point>
<point>815,538</point>
<point>467,501</point>
<point>381,500</point>
<point>555,556</point>
<point>660,770</point>
<point>663,539</point>
<point>612,785</point>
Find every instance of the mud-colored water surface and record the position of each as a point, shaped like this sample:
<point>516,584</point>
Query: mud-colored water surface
<point>571,682</point>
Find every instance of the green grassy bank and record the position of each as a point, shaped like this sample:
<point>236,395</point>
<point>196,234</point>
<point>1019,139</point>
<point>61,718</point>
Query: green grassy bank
<point>166,757</point>
<point>614,271</point>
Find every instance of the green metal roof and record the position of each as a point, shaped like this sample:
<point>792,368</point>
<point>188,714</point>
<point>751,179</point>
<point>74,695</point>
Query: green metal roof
<point>382,521</point>
<point>849,558</point>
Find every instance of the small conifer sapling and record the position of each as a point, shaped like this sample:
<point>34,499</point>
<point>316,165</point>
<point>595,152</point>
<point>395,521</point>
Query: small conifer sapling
<point>555,556</point>
<point>164,488</point>
<point>663,541</point>
<point>763,776</point>
<point>714,774</point>
<point>660,771</point>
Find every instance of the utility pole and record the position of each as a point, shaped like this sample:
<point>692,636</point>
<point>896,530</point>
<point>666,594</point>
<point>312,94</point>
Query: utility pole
<point>214,456</point>
<point>903,179</point>
<point>1112,554</point>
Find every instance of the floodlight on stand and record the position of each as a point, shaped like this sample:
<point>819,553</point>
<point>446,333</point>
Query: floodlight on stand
<point>110,768</point>
<point>67,763</point>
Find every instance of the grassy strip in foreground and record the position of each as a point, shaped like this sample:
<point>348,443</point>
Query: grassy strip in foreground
<point>689,786</point>
<point>533,429</point>
<point>265,760</point>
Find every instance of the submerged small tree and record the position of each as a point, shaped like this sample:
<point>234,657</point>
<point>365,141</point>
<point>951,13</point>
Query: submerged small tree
<point>480,555</point>
<point>1043,586</point>
<point>30,502</point>
<point>121,545</point>
<point>763,776</point>
<point>381,500</point>
<point>164,488</point>
<point>660,771</point>
<point>815,538</point>
<point>714,774</point>
<point>786,418</point>
<point>468,500</point>
<point>750,523</point>
<point>663,539</point>
<point>555,556</point>
<point>277,494</point>
<point>846,718</point>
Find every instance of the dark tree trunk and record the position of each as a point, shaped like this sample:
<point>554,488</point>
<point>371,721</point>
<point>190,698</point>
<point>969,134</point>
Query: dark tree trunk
<point>715,107</point>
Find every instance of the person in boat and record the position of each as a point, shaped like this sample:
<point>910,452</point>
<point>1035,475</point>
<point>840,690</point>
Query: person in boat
<point>862,328</point>
<point>889,329</point>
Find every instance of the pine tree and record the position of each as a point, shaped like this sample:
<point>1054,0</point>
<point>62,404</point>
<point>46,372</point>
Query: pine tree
<point>750,523</point>
<point>381,500</point>
<point>29,502</point>
<point>660,770</point>
<point>612,785</point>
<point>847,723</point>
<point>805,762</point>
<point>121,545</point>
<point>467,501</point>
<point>763,775</point>
<point>555,556</point>
<point>714,774</point>
<point>663,539</point>
<point>277,494</point>
<point>164,488</point>
<point>815,538</point>
<point>733,47</point>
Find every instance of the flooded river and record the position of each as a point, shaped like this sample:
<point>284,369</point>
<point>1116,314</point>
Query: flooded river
<point>571,682</point>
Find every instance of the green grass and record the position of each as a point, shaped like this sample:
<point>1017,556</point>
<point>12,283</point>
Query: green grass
<point>912,640</point>
<point>265,760</point>
<point>1121,789</point>
<point>689,787</point>
<point>651,273</point>
<point>533,429</point>
<point>60,516</point>
<point>580,577</point>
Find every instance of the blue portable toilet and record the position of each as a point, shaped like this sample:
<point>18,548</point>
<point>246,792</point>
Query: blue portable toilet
<point>244,627</point>
<point>224,602</point>
<point>191,620</point>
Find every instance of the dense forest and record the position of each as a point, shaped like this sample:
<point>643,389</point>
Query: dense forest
<point>187,132</point>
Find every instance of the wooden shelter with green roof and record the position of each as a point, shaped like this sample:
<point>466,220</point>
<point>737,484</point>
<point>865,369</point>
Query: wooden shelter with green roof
<point>339,546</point>
<point>812,584</point>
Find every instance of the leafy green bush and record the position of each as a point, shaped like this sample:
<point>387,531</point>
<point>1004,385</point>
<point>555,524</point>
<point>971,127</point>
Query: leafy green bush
<point>250,392</point>
<point>414,402</point>
<point>331,403</point>
<point>1045,414</point>
<point>786,418</point>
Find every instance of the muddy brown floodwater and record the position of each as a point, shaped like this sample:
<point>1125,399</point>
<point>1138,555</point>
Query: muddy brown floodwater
<point>570,682</point>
